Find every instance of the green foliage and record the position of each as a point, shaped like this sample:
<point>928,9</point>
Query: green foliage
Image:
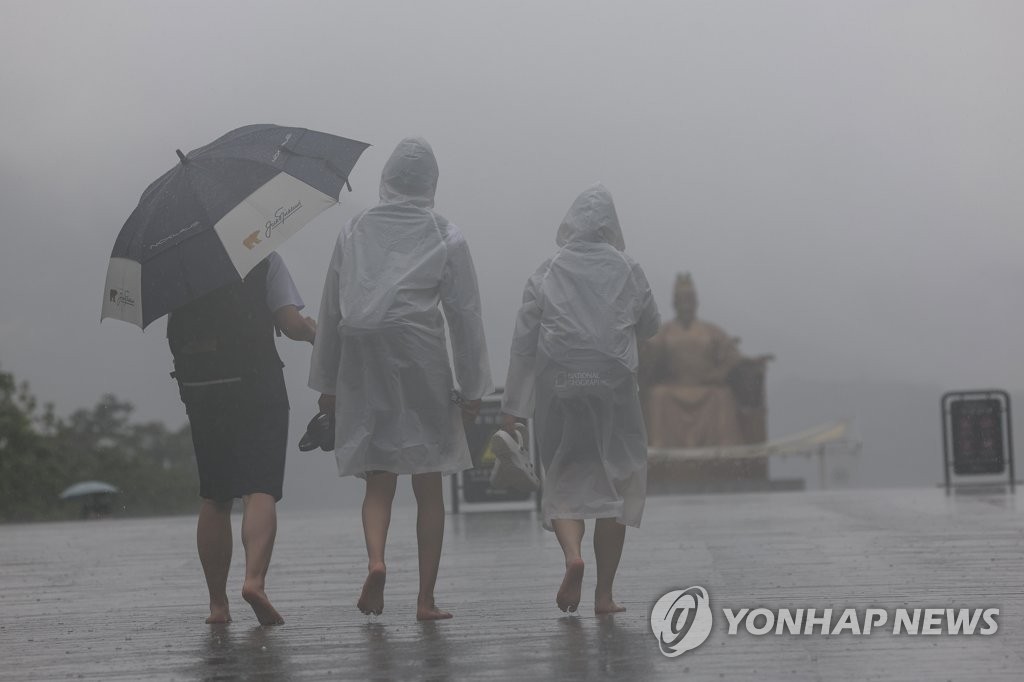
<point>29,471</point>
<point>40,455</point>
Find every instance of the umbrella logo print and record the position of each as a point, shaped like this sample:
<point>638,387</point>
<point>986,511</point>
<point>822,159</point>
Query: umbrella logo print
<point>277,154</point>
<point>177,234</point>
<point>122,298</point>
<point>252,240</point>
<point>681,620</point>
<point>280,215</point>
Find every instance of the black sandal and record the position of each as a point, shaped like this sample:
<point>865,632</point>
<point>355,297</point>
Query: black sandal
<point>319,434</point>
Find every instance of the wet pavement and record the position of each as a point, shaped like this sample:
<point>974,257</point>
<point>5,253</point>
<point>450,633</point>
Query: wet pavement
<point>124,599</point>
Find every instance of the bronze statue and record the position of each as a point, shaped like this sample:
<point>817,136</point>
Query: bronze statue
<point>698,390</point>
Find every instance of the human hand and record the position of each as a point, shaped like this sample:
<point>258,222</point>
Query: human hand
<point>294,325</point>
<point>509,423</point>
<point>326,403</point>
<point>470,410</point>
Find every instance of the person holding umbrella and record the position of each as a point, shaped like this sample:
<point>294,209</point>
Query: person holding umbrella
<point>231,381</point>
<point>381,364</point>
<point>201,245</point>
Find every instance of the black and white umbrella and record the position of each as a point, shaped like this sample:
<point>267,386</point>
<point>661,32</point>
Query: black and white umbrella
<point>209,220</point>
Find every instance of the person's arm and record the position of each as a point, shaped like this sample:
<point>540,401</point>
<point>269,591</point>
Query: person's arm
<point>460,298</point>
<point>294,325</point>
<point>648,323</point>
<point>285,303</point>
<point>518,400</point>
<point>653,368</point>
<point>648,319</point>
<point>323,362</point>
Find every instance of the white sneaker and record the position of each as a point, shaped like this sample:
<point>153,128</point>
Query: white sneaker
<point>512,465</point>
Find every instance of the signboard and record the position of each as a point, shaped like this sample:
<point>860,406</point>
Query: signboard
<point>977,436</point>
<point>476,482</point>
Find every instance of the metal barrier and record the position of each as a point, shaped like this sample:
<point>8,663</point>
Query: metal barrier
<point>825,440</point>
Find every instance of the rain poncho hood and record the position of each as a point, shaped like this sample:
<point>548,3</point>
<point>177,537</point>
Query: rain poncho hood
<point>592,218</point>
<point>381,346</point>
<point>410,175</point>
<point>573,366</point>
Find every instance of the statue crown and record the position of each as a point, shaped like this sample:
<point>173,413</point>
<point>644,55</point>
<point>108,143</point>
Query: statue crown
<point>684,282</point>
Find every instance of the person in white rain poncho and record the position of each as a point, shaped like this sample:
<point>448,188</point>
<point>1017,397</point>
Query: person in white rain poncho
<point>574,354</point>
<point>381,362</point>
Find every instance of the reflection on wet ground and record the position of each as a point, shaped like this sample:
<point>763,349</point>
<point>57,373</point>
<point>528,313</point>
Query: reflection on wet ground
<point>124,599</point>
<point>228,655</point>
<point>575,648</point>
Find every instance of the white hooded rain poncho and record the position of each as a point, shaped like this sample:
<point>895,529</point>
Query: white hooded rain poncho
<point>574,364</point>
<point>380,346</point>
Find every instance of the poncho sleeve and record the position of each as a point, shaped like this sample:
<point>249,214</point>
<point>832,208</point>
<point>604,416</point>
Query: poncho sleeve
<point>323,364</point>
<point>460,298</point>
<point>518,400</point>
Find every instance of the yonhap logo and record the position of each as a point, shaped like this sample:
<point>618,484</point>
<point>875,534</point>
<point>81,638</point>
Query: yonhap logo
<point>681,620</point>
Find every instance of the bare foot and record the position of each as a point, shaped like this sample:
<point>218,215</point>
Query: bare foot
<point>568,597</point>
<point>429,611</point>
<point>265,612</point>
<point>605,605</point>
<point>371,601</point>
<point>219,612</point>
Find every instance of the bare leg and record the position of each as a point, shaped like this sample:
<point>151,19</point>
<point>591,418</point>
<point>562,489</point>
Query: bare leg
<point>213,540</point>
<point>609,536</point>
<point>429,538</point>
<point>259,528</point>
<point>380,493</point>
<point>570,535</point>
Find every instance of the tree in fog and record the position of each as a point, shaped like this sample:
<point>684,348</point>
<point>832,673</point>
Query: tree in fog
<point>41,454</point>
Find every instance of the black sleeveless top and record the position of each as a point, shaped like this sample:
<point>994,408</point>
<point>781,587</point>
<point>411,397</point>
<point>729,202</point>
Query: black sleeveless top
<point>226,334</point>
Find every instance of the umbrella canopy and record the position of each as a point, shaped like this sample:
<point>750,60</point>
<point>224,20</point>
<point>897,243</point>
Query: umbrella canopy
<point>209,220</point>
<point>88,488</point>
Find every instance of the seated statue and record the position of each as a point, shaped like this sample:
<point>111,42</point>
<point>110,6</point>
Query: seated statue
<point>699,391</point>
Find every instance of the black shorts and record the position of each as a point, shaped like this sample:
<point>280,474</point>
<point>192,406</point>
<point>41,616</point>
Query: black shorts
<point>240,434</point>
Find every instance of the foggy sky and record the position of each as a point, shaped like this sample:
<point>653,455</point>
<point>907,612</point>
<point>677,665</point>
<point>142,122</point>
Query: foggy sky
<point>843,179</point>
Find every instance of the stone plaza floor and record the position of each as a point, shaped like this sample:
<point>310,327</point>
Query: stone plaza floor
<point>124,599</point>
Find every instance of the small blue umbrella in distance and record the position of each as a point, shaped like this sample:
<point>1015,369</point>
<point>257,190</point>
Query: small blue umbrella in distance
<point>88,488</point>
